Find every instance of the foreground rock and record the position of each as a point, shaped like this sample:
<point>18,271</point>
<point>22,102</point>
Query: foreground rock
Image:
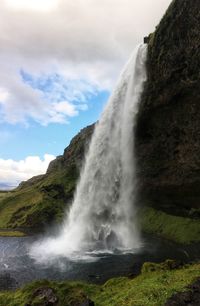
<point>46,296</point>
<point>190,297</point>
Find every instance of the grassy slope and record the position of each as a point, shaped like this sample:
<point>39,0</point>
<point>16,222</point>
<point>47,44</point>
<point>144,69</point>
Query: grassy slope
<point>3,194</point>
<point>151,288</point>
<point>179,229</point>
<point>37,204</point>
<point>44,199</point>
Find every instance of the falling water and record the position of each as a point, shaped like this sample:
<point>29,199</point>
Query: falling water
<point>102,216</point>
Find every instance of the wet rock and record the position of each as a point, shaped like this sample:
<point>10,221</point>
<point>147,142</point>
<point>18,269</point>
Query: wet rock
<point>191,297</point>
<point>46,295</point>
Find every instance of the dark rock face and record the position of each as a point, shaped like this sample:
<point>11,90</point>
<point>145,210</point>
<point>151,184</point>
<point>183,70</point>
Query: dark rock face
<point>191,297</point>
<point>168,129</point>
<point>74,153</point>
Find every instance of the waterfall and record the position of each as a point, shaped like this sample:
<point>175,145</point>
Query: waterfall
<point>102,215</point>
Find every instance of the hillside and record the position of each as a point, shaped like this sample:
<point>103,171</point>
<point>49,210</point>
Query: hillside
<point>43,199</point>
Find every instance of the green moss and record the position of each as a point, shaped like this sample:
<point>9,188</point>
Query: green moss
<point>179,229</point>
<point>169,264</point>
<point>148,289</point>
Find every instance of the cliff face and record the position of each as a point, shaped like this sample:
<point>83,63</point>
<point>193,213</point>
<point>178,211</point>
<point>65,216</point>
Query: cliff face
<point>168,129</point>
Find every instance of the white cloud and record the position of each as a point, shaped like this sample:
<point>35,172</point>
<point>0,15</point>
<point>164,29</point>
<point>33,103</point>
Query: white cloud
<point>3,95</point>
<point>13,172</point>
<point>84,41</point>
<point>20,101</point>
<point>66,108</point>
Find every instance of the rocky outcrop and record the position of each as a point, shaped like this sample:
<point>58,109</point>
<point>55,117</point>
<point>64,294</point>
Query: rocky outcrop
<point>168,129</point>
<point>74,153</point>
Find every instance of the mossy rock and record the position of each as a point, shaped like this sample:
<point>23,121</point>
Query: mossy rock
<point>169,264</point>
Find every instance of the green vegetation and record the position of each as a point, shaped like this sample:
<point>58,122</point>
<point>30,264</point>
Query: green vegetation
<point>40,203</point>
<point>8,233</point>
<point>3,194</point>
<point>45,198</point>
<point>151,288</point>
<point>179,229</point>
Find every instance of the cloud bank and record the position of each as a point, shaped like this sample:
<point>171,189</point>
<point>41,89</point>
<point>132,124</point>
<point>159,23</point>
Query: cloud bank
<point>84,42</point>
<point>13,172</point>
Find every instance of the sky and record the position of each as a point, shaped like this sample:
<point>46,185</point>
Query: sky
<point>59,62</point>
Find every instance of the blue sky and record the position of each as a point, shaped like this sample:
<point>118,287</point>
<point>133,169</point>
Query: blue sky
<point>19,141</point>
<point>59,63</point>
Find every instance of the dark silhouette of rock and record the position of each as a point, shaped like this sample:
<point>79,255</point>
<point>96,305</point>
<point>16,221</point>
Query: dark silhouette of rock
<point>146,39</point>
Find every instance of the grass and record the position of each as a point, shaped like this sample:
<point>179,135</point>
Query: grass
<point>40,203</point>
<point>3,194</point>
<point>151,288</point>
<point>9,233</point>
<point>179,229</point>
<point>10,205</point>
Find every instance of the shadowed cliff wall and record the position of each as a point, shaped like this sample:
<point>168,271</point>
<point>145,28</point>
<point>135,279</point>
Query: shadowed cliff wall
<point>168,129</point>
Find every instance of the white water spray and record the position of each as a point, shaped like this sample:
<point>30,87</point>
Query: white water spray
<point>102,216</point>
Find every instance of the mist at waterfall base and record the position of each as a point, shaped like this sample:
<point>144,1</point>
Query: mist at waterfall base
<point>102,217</point>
